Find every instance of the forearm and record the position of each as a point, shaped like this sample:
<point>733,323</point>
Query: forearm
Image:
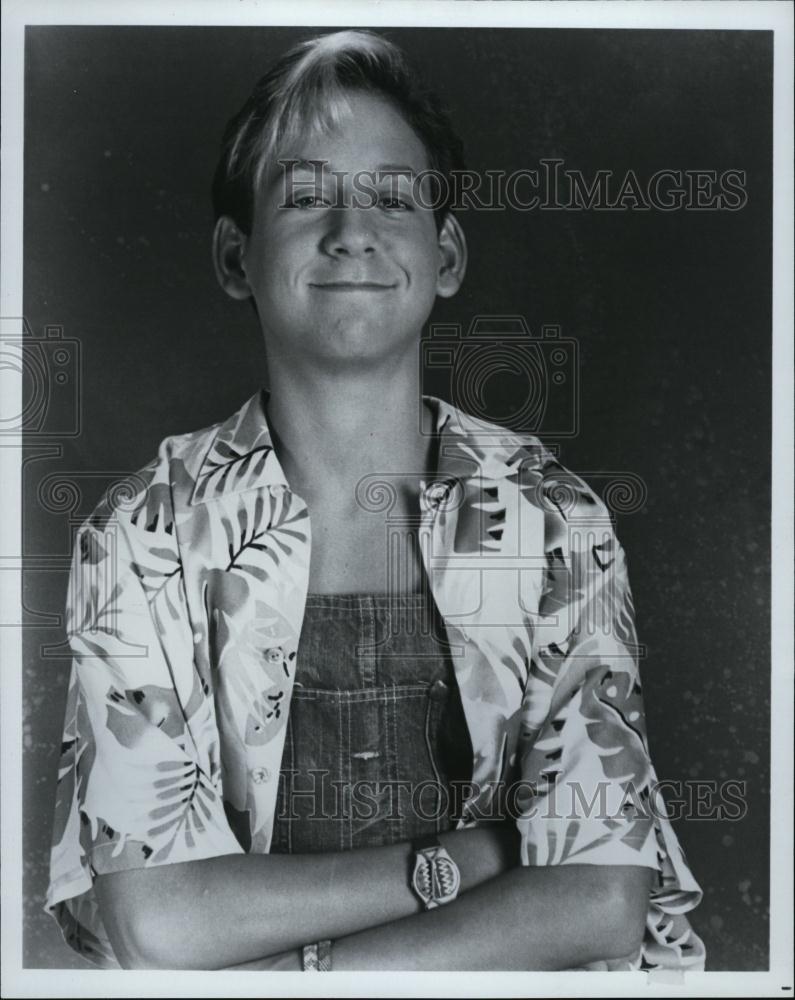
<point>560,917</point>
<point>286,961</point>
<point>237,909</point>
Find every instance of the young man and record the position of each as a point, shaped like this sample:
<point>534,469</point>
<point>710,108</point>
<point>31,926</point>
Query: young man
<point>187,605</point>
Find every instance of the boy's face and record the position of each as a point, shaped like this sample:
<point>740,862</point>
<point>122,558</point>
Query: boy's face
<point>339,280</point>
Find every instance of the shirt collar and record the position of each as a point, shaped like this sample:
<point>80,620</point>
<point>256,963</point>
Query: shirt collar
<point>241,455</point>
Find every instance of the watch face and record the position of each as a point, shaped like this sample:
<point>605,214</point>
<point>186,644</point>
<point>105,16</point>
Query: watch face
<point>423,880</point>
<point>446,877</point>
<point>436,877</point>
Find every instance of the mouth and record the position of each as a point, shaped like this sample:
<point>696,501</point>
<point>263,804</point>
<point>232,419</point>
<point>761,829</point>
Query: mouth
<point>351,286</point>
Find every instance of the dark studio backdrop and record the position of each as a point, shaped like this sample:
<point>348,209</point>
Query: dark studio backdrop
<point>670,311</point>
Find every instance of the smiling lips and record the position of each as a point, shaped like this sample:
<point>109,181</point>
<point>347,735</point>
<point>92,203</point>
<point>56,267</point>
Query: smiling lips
<point>352,286</point>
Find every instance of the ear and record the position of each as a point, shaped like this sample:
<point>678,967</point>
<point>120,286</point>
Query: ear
<point>452,257</point>
<point>229,247</point>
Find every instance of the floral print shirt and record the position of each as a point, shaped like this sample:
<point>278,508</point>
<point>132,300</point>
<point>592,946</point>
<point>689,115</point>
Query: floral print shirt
<point>184,610</point>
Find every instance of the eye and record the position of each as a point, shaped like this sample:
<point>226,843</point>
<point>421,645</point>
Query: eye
<point>306,201</point>
<point>394,204</point>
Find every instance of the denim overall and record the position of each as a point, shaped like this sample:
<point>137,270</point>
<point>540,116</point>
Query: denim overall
<point>376,735</point>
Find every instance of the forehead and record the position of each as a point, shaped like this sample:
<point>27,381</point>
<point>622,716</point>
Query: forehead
<point>369,134</point>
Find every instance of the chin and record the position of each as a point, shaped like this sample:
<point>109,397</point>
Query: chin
<point>365,342</point>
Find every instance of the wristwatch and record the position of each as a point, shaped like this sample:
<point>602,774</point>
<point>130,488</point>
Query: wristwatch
<point>436,878</point>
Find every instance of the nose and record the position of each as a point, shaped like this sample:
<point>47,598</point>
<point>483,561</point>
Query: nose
<point>350,233</point>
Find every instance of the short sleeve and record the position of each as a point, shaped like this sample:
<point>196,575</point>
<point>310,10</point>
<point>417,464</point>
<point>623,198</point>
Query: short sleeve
<point>591,793</point>
<point>138,779</point>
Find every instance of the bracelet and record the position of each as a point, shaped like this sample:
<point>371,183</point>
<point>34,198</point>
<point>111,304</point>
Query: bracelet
<point>317,957</point>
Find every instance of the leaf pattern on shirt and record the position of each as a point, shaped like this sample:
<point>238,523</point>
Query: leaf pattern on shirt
<point>611,702</point>
<point>189,802</point>
<point>92,604</point>
<point>112,851</point>
<point>132,712</point>
<point>262,533</point>
<point>229,468</point>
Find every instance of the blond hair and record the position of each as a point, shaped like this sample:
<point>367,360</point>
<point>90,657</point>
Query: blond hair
<point>306,90</point>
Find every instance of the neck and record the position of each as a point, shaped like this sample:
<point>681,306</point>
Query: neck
<point>331,431</point>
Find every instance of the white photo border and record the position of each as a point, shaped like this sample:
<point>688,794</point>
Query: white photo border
<point>651,14</point>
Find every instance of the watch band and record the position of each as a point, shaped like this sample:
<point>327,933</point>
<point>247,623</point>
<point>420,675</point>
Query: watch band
<point>436,878</point>
<point>324,956</point>
<point>317,957</point>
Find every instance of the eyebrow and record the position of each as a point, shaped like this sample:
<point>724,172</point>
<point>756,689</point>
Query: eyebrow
<point>396,168</point>
<point>291,170</point>
<point>311,166</point>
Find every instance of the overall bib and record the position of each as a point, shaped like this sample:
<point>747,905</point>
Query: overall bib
<point>377,747</point>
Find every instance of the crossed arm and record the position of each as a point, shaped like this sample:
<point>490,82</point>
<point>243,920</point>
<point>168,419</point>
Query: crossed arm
<point>255,911</point>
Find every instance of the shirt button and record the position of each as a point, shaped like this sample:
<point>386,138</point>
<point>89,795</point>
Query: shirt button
<point>278,489</point>
<point>260,775</point>
<point>275,655</point>
<point>197,637</point>
<point>438,691</point>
